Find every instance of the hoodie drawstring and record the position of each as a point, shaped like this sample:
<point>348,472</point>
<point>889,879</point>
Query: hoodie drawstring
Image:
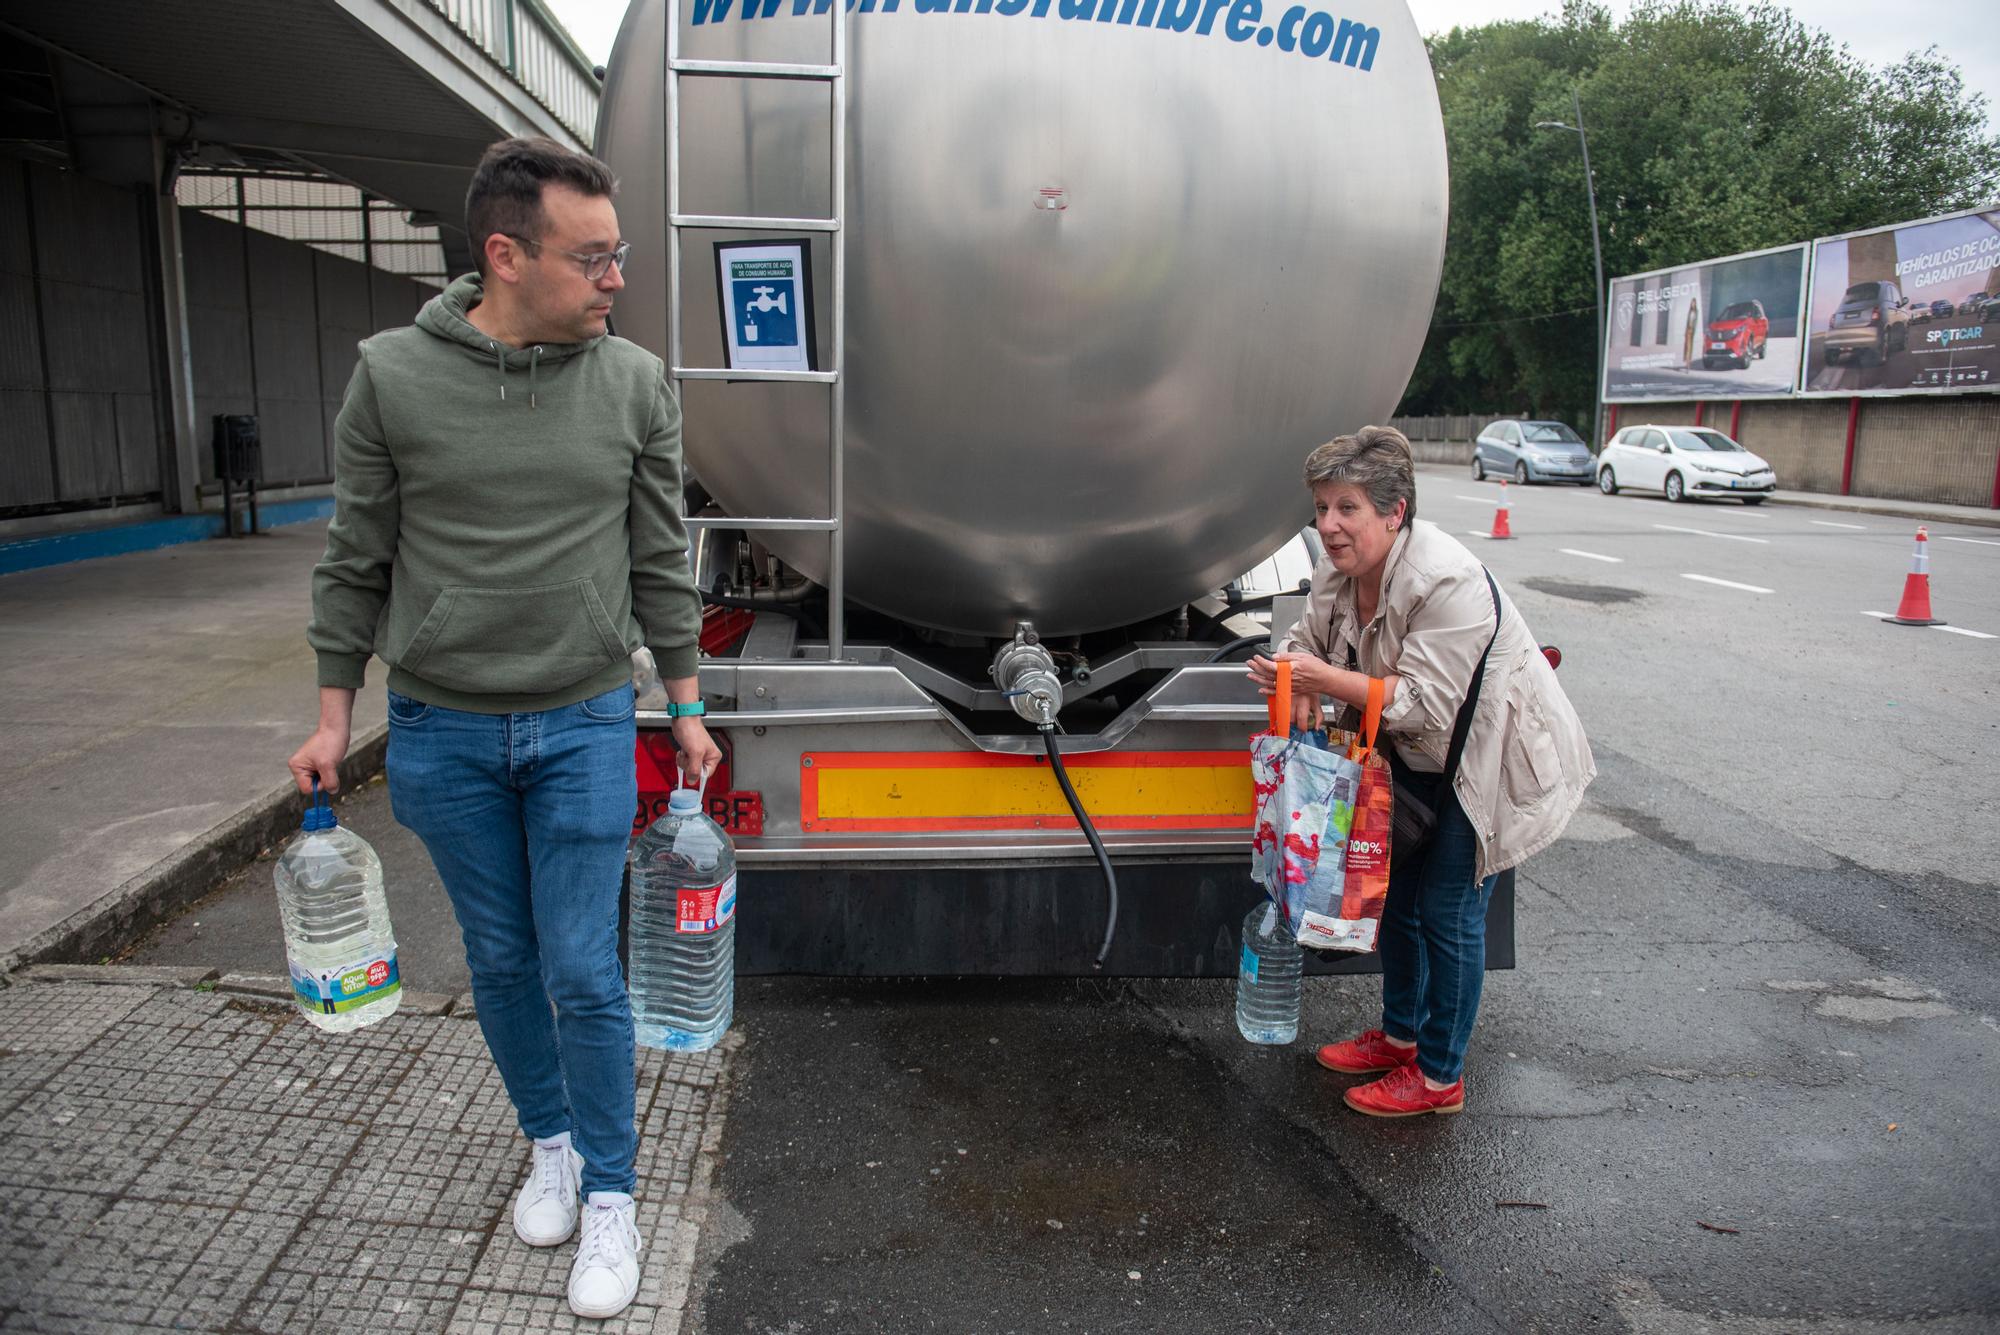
<point>534,363</point>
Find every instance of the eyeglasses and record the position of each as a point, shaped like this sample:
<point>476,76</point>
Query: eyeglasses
<point>596,263</point>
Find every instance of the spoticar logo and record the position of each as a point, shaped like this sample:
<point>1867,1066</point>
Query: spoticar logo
<point>1311,33</point>
<point>1940,337</point>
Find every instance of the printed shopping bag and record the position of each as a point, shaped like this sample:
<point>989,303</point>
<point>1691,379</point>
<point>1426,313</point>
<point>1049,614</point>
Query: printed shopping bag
<point>1305,810</point>
<point>1366,884</point>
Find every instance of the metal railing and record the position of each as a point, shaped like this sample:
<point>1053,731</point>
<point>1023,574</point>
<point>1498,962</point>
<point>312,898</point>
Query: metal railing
<point>524,39</point>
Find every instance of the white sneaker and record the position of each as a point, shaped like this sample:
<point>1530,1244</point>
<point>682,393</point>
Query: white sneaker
<point>545,1207</point>
<point>605,1277</point>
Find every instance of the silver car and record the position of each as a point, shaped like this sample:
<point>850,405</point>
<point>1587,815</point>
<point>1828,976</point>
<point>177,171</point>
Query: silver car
<point>1532,452</point>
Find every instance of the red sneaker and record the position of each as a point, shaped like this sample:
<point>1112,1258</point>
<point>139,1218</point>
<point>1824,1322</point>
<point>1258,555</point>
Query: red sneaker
<point>1402,1093</point>
<point>1364,1055</point>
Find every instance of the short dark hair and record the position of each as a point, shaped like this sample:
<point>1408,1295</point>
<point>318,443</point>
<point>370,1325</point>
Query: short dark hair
<point>506,193</point>
<point>1376,459</point>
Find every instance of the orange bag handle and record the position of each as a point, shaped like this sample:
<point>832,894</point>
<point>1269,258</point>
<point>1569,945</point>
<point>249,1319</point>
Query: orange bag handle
<point>1371,720</point>
<point>1280,704</point>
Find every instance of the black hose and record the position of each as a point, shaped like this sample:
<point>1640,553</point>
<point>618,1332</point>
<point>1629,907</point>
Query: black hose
<point>796,611</point>
<point>1240,642</point>
<point>1090,833</point>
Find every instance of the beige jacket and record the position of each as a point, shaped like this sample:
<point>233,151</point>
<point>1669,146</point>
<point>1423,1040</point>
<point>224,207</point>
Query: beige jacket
<point>1526,760</point>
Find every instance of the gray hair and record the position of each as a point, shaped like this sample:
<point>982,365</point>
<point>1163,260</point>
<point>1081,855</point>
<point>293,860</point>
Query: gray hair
<point>1376,459</point>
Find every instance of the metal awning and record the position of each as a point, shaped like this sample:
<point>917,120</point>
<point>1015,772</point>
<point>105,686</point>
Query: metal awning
<point>397,97</point>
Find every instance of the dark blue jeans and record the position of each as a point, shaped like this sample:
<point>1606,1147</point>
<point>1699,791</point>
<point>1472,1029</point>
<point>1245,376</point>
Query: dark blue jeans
<point>527,817</point>
<point>1433,936</point>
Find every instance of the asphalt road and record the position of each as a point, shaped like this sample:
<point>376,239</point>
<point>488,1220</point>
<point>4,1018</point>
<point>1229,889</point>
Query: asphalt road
<point>1757,993</point>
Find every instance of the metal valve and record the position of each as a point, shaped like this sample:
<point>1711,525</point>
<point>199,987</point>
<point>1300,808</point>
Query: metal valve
<point>1026,676</point>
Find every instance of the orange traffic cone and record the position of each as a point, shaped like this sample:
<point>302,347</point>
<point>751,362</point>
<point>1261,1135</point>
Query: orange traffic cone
<point>1915,609</point>
<point>1500,529</point>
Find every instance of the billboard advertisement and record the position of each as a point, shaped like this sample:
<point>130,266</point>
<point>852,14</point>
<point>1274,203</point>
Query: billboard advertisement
<point>1908,309</point>
<point>1721,329</point>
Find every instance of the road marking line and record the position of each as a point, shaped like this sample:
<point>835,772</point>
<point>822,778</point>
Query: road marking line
<point>1619,560</point>
<point>1828,523</point>
<point>1475,533</point>
<point>1954,630</point>
<point>1710,533</point>
<point>1728,583</point>
<point>1479,500</point>
<point>1983,542</point>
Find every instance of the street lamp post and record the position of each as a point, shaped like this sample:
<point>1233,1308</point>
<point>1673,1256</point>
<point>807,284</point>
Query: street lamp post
<point>1597,250</point>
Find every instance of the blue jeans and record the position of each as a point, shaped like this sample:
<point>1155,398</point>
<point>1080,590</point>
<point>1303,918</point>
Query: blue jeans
<point>527,817</point>
<point>1433,936</point>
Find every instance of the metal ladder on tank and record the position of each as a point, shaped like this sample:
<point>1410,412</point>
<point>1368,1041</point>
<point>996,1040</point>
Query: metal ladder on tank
<point>835,76</point>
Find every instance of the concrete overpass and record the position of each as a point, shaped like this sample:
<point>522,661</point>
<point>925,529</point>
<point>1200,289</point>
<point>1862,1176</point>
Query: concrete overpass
<point>375,109</point>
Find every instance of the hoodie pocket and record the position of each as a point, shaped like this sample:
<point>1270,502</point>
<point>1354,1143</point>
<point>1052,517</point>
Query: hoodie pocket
<point>513,641</point>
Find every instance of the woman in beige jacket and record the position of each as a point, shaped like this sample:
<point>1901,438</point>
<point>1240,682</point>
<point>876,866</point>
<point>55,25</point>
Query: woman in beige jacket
<point>1404,601</point>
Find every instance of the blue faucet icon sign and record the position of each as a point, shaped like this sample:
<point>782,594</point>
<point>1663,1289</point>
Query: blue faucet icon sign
<point>768,317</point>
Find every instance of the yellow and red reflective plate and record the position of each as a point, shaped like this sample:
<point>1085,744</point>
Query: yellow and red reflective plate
<point>930,791</point>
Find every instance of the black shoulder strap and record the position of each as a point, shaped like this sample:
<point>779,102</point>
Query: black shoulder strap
<point>1462,727</point>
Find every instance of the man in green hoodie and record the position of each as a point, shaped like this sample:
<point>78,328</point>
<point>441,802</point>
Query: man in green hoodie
<point>506,533</point>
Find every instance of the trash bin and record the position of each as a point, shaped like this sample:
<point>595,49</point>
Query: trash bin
<point>239,460</point>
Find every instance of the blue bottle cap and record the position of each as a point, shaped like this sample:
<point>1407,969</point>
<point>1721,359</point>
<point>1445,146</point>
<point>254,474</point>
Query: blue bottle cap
<point>685,802</point>
<point>319,816</point>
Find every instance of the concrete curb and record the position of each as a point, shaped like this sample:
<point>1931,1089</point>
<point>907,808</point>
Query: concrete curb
<point>140,975</point>
<point>1917,510</point>
<point>262,986</point>
<point>184,876</point>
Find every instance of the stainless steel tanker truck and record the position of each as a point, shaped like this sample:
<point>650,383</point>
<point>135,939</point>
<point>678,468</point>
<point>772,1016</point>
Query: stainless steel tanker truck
<point>1001,330</point>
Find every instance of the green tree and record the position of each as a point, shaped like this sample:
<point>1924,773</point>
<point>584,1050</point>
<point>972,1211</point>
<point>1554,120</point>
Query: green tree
<point>1713,130</point>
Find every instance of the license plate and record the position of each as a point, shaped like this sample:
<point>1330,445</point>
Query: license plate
<point>740,813</point>
<point>1718,347</point>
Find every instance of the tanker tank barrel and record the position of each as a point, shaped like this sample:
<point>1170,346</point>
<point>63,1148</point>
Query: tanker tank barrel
<point>1109,283</point>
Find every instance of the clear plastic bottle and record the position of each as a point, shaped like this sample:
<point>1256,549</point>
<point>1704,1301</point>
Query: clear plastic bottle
<point>338,941</point>
<point>1269,978</point>
<point>683,929</point>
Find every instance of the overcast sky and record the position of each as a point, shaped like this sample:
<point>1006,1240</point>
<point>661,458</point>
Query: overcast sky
<point>1877,31</point>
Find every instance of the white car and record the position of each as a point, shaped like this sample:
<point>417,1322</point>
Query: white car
<point>1683,461</point>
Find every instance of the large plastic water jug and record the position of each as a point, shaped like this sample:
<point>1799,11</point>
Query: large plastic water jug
<point>1269,978</point>
<point>683,929</point>
<point>338,941</point>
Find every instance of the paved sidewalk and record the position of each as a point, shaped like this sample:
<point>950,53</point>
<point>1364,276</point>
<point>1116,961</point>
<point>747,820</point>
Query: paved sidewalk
<point>147,705</point>
<point>188,1159</point>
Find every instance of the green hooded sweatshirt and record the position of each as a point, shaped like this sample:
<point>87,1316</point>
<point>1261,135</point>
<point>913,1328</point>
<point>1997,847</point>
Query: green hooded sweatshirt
<point>506,525</point>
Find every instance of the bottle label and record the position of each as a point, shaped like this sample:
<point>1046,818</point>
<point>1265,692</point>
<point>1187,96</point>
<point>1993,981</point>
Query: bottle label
<point>705,911</point>
<point>331,991</point>
<point>1249,963</point>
